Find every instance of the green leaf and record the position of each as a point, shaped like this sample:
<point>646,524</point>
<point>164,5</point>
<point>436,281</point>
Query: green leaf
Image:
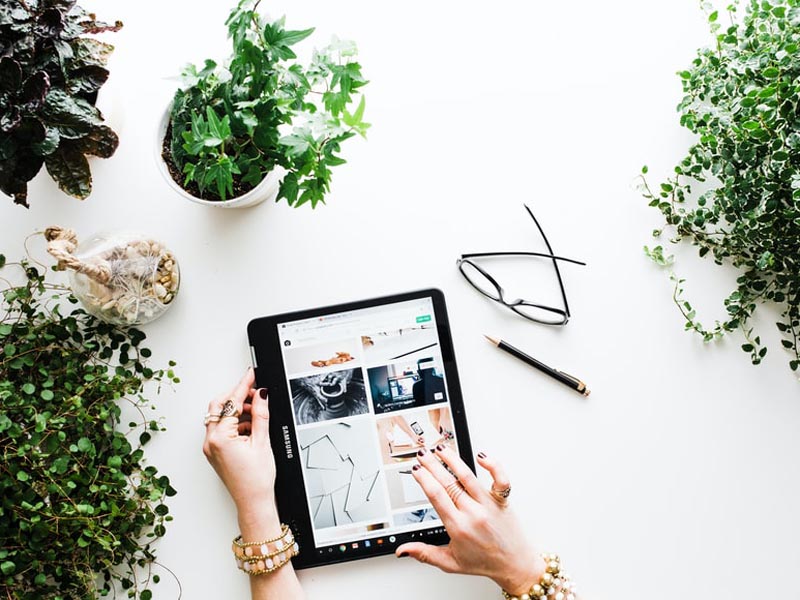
<point>296,145</point>
<point>218,128</point>
<point>85,444</point>
<point>49,144</point>
<point>100,141</point>
<point>8,567</point>
<point>29,388</point>
<point>780,156</point>
<point>289,188</point>
<point>22,476</point>
<point>70,112</point>
<point>70,169</point>
<point>355,119</point>
<point>60,465</point>
<point>290,38</point>
<point>85,509</point>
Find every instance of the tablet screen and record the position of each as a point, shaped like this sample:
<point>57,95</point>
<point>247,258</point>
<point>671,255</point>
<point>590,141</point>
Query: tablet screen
<point>368,390</point>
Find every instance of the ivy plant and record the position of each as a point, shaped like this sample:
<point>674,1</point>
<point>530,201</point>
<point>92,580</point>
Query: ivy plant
<point>50,72</point>
<point>736,194</point>
<point>79,507</point>
<point>232,124</point>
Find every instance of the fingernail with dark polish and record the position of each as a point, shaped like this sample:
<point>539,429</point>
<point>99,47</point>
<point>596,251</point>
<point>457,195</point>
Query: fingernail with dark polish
<point>402,555</point>
<point>421,452</point>
<point>415,468</point>
<point>263,393</point>
<point>481,455</point>
<point>440,447</point>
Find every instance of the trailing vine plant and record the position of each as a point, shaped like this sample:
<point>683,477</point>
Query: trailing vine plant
<point>80,508</point>
<point>741,99</point>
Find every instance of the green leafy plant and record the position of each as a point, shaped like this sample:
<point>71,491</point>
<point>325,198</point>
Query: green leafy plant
<point>736,195</point>
<point>79,508</point>
<point>50,72</point>
<point>231,125</point>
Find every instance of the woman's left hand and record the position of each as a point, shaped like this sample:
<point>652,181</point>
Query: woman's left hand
<point>239,450</point>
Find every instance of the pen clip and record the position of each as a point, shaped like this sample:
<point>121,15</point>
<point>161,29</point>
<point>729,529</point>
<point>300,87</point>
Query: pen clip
<point>579,385</point>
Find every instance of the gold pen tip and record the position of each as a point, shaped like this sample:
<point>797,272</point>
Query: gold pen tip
<point>492,340</point>
<point>586,392</point>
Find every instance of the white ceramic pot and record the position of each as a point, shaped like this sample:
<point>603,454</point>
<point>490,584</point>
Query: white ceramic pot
<point>266,190</point>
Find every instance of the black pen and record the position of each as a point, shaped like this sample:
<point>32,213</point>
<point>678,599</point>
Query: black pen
<point>565,378</point>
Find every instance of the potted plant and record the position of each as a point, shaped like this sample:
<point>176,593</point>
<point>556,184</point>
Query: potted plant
<point>736,193</point>
<point>50,73</point>
<point>81,507</point>
<point>262,125</point>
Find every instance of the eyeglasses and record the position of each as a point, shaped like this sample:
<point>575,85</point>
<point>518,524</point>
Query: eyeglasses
<point>488,286</point>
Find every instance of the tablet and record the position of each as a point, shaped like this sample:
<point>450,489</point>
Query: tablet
<point>356,390</point>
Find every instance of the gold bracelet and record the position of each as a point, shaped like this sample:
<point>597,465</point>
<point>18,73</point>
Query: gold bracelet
<point>553,583</point>
<point>259,558</point>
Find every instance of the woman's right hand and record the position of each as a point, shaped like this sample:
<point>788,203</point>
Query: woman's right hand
<point>485,535</point>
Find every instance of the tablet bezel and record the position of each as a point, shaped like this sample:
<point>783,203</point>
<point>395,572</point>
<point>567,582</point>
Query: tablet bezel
<point>291,497</point>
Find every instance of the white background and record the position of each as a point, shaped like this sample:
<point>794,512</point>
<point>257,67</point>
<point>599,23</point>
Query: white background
<point>677,476</point>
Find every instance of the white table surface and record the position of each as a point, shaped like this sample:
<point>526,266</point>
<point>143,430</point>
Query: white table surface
<point>677,476</point>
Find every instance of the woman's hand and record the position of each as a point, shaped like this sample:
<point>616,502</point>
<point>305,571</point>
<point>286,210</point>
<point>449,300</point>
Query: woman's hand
<point>485,536</point>
<point>239,450</point>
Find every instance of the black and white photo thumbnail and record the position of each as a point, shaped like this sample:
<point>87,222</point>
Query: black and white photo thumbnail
<point>327,396</point>
<point>342,474</point>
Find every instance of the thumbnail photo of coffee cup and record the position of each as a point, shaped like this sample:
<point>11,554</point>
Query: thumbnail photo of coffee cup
<point>401,436</point>
<point>333,395</point>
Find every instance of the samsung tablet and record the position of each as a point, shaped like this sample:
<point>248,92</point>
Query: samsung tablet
<point>356,390</point>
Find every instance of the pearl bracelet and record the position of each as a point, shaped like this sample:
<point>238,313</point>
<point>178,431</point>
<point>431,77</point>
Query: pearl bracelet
<point>259,558</point>
<point>554,584</point>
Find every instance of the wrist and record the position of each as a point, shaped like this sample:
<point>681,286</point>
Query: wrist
<point>259,521</point>
<point>519,579</point>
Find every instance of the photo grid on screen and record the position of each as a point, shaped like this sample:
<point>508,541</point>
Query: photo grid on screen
<point>368,391</point>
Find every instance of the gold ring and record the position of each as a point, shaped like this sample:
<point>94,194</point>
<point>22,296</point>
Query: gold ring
<point>228,409</point>
<point>454,490</point>
<point>501,495</point>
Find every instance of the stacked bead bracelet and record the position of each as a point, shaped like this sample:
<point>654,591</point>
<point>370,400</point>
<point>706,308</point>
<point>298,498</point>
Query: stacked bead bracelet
<point>554,584</point>
<point>258,558</point>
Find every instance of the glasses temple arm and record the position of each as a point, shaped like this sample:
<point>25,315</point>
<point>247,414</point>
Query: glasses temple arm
<point>555,262</point>
<point>539,254</point>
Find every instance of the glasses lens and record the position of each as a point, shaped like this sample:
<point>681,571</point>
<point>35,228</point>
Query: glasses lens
<point>548,316</point>
<point>478,280</point>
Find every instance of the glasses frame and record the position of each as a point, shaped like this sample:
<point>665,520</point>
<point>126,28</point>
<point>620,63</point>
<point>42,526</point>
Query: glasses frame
<point>514,305</point>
